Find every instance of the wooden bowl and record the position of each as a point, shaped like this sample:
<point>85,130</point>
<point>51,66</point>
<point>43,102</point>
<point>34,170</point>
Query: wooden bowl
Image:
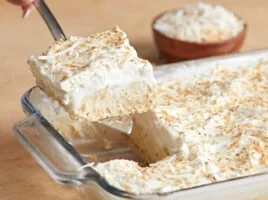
<point>177,50</point>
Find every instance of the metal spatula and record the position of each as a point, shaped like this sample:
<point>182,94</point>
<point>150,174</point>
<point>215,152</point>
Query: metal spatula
<point>123,124</point>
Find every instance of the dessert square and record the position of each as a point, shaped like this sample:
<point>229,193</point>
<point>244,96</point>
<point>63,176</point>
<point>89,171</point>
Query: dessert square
<point>96,77</point>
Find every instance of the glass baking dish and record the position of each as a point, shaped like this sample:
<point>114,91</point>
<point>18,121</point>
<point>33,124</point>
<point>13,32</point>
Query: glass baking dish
<point>67,161</point>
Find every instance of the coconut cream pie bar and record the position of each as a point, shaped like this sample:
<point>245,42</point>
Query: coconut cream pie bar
<point>96,77</point>
<point>216,123</point>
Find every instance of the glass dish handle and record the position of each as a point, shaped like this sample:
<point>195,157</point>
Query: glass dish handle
<point>56,159</point>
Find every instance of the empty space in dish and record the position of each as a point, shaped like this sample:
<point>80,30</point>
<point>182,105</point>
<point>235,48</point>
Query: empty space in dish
<point>109,145</point>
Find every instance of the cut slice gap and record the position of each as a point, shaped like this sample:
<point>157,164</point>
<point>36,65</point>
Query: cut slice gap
<point>108,146</point>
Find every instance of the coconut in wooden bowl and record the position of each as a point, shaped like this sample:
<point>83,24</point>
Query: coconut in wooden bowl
<point>197,31</point>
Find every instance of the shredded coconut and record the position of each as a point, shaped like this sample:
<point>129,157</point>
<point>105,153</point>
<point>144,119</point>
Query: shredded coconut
<point>200,23</point>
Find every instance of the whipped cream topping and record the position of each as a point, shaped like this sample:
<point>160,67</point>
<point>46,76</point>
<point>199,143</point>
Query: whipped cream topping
<point>220,120</point>
<point>105,50</point>
<point>74,70</point>
<point>200,23</point>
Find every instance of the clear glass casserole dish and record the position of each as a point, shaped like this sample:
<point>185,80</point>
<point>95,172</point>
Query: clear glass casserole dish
<point>66,161</point>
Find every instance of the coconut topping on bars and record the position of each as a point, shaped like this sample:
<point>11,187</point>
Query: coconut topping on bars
<point>222,121</point>
<point>66,58</point>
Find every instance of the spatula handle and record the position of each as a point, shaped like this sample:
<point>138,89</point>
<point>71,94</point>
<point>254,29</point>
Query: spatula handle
<point>50,20</point>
